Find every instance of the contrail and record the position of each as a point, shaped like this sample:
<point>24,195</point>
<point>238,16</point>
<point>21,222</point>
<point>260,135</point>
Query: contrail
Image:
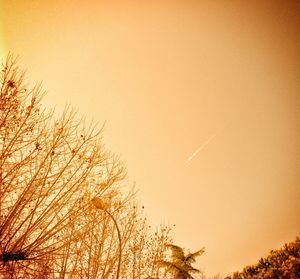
<point>200,148</point>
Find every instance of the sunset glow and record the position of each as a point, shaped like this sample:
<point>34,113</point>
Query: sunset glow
<point>200,100</point>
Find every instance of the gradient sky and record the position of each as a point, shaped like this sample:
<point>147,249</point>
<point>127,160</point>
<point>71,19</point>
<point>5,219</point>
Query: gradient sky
<point>174,77</point>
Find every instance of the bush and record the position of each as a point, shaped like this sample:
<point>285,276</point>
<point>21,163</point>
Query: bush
<point>282,263</point>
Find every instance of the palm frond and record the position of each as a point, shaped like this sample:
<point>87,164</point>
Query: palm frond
<point>177,252</point>
<point>191,257</point>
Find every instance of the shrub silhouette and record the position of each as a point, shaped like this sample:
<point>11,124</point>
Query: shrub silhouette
<point>283,263</point>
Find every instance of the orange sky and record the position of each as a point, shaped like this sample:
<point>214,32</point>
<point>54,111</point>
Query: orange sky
<point>171,77</point>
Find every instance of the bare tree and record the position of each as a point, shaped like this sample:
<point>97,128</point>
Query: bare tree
<point>51,171</point>
<point>46,167</point>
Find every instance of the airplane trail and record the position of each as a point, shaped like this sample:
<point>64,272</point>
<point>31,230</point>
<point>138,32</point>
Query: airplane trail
<point>202,146</point>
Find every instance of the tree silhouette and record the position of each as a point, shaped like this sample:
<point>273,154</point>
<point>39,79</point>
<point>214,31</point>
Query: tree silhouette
<point>51,169</point>
<point>282,263</point>
<point>46,166</point>
<point>180,265</point>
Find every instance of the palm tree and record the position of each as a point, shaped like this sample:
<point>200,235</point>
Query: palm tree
<point>181,264</point>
